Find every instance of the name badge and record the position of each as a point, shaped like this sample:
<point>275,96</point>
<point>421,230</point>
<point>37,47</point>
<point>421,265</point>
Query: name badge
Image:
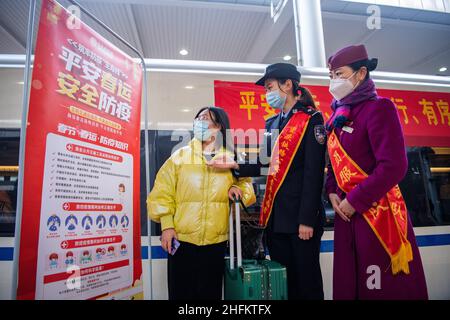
<point>347,129</point>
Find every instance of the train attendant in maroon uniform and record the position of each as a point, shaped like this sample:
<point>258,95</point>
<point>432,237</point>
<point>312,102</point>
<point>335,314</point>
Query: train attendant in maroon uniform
<point>375,250</point>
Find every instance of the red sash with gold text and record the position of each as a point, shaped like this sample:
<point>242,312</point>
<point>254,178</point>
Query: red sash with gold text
<point>283,153</point>
<point>387,218</point>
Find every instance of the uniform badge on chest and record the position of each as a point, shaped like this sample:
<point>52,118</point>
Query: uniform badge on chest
<point>347,129</point>
<point>320,134</point>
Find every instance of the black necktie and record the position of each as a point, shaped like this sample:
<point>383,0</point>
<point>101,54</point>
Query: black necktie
<point>283,119</point>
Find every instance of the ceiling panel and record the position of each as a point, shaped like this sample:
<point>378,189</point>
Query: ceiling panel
<point>9,43</point>
<point>401,46</point>
<point>284,45</point>
<point>14,18</point>
<point>403,52</point>
<point>340,32</point>
<point>118,18</point>
<point>207,33</point>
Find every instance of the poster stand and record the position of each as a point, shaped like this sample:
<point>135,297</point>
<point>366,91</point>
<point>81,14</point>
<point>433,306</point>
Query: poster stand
<point>25,108</point>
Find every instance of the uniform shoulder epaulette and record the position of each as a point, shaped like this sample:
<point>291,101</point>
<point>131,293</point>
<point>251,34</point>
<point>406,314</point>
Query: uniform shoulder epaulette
<point>310,111</point>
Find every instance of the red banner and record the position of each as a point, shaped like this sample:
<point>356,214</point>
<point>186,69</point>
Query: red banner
<point>81,174</point>
<point>425,116</point>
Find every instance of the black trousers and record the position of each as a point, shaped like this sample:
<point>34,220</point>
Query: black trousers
<point>301,258</point>
<point>196,272</point>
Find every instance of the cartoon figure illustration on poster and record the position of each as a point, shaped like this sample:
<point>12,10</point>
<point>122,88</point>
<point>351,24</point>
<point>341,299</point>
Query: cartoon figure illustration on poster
<point>113,221</point>
<point>124,221</point>
<point>86,257</point>
<point>86,222</point>
<point>123,249</point>
<point>69,259</point>
<point>121,193</point>
<point>53,261</point>
<point>71,222</point>
<point>111,253</point>
<point>99,253</point>
<point>53,223</point>
<point>100,221</point>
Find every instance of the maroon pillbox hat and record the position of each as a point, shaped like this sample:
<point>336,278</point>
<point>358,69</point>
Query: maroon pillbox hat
<point>347,56</point>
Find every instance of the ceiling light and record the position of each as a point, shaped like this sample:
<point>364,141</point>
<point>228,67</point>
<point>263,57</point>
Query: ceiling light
<point>183,52</point>
<point>287,58</point>
<point>186,110</point>
<point>189,87</point>
<point>442,69</point>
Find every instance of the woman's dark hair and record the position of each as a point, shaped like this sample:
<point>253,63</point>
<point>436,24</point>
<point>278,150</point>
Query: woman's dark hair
<point>306,98</point>
<point>220,118</point>
<point>369,64</point>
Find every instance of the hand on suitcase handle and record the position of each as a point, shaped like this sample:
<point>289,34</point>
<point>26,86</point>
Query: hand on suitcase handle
<point>237,199</point>
<point>234,192</point>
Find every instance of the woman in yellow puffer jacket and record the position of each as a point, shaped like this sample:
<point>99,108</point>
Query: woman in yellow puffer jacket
<point>191,201</point>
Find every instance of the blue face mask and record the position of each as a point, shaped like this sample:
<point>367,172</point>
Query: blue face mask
<point>201,131</point>
<point>275,100</point>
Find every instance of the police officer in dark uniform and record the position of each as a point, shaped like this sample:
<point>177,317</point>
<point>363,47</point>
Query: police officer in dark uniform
<point>295,226</point>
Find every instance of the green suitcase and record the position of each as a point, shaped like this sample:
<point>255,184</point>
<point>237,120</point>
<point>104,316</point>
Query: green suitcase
<point>246,282</point>
<point>275,278</point>
<point>251,279</point>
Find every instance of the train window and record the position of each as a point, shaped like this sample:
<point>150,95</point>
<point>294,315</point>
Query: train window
<point>329,211</point>
<point>9,159</point>
<point>8,195</point>
<point>440,178</point>
<point>426,186</point>
<point>143,189</point>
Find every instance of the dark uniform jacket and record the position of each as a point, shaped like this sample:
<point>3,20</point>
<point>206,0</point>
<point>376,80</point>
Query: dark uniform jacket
<point>299,199</point>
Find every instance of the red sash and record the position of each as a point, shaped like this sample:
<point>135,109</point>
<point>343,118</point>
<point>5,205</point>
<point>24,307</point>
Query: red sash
<point>387,218</point>
<point>283,153</point>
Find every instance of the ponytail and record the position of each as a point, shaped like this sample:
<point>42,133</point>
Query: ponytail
<point>306,98</point>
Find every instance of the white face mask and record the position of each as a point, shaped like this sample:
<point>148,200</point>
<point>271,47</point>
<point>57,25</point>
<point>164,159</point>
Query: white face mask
<point>340,88</point>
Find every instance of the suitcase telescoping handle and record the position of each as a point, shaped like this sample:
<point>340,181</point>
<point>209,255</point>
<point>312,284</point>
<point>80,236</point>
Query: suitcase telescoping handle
<point>238,234</point>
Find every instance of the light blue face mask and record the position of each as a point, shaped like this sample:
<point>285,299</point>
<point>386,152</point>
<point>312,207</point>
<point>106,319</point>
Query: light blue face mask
<point>275,100</point>
<point>201,131</point>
